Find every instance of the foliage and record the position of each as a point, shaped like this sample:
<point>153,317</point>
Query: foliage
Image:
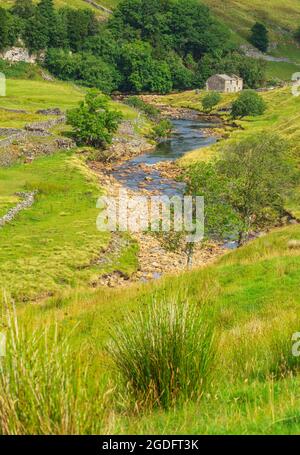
<point>146,108</point>
<point>248,103</point>
<point>251,70</point>
<point>83,67</point>
<point>164,354</point>
<point>146,46</point>
<point>246,187</point>
<point>19,70</point>
<point>210,101</point>
<point>141,71</point>
<point>48,396</point>
<point>162,129</point>
<point>259,37</point>
<point>23,8</point>
<point>94,121</point>
<point>297,34</point>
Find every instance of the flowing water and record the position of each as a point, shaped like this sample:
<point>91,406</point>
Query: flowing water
<point>187,135</point>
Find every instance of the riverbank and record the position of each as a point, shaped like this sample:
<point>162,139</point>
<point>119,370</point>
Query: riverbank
<point>154,258</point>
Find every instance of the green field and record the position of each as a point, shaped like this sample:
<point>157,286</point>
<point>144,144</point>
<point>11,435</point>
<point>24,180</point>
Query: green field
<point>254,295</point>
<point>58,377</point>
<point>55,243</point>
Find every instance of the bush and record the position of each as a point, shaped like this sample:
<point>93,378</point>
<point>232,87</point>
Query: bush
<point>162,129</point>
<point>259,37</point>
<point>90,70</point>
<point>165,354</point>
<point>245,188</point>
<point>210,101</point>
<point>137,103</point>
<point>94,122</point>
<point>248,103</point>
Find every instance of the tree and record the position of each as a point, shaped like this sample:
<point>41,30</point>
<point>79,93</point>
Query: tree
<point>90,70</point>
<point>246,188</point>
<point>36,32</point>
<point>94,122</point>
<point>4,28</point>
<point>251,70</point>
<point>259,37</point>
<point>80,24</point>
<point>142,72</point>
<point>23,8</point>
<point>210,101</point>
<point>248,103</point>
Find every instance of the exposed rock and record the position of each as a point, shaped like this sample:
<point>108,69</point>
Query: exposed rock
<point>13,212</point>
<point>18,54</point>
<point>50,111</point>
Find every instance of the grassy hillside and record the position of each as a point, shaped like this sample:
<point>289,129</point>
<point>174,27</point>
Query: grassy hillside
<point>253,293</point>
<point>54,244</point>
<point>282,116</point>
<point>280,15</point>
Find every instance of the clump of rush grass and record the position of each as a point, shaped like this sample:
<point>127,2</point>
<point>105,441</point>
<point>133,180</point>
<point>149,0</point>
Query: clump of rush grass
<point>165,354</point>
<point>44,389</point>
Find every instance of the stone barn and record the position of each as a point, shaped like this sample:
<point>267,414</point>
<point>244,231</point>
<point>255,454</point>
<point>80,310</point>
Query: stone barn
<point>224,83</point>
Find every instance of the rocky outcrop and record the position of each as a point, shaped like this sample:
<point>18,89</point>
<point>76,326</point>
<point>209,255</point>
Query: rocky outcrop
<point>28,200</point>
<point>18,54</point>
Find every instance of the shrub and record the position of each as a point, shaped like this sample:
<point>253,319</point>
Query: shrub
<point>165,354</point>
<point>162,129</point>
<point>137,103</point>
<point>210,101</point>
<point>94,121</point>
<point>259,37</point>
<point>248,103</point>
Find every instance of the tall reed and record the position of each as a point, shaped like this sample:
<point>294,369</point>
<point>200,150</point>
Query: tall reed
<point>165,354</point>
<point>43,385</point>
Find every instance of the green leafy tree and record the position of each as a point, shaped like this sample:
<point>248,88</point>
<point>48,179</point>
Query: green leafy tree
<point>36,32</point>
<point>80,24</point>
<point>248,103</point>
<point>259,37</point>
<point>246,188</point>
<point>297,34</point>
<point>142,72</point>
<point>4,28</point>
<point>94,122</point>
<point>23,8</point>
<point>251,70</point>
<point>90,70</point>
<point>210,101</point>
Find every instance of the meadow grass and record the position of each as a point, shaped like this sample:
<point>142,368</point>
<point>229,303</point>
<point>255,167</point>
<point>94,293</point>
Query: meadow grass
<point>33,95</point>
<point>55,242</point>
<point>253,302</point>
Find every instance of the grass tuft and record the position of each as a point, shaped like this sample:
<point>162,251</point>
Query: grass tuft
<point>165,354</point>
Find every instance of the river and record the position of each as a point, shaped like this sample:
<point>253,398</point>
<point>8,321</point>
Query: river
<point>187,135</point>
